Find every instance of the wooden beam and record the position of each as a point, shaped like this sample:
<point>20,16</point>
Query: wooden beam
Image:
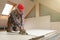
<point>14,4</point>
<point>37,9</point>
<point>29,11</point>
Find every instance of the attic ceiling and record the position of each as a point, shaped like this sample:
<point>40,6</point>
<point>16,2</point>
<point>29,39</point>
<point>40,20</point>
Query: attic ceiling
<point>2,4</point>
<point>27,3</point>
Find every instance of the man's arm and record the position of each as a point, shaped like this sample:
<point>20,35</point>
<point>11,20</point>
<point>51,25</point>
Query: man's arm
<point>14,17</point>
<point>22,19</point>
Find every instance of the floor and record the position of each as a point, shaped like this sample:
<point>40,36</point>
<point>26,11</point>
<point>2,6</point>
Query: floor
<point>56,37</point>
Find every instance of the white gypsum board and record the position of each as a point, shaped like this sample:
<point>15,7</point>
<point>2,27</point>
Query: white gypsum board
<point>33,34</point>
<point>38,32</point>
<point>16,36</point>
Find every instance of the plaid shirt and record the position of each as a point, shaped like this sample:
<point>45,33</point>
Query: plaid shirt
<point>16,18</point>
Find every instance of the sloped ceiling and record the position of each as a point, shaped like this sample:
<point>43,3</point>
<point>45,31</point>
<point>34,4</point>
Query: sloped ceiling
<point>50,7</point>
<point>27,3</point>
<point>2,4</point>
<point>53,4</point>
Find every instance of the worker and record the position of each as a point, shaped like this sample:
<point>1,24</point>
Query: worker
<point>16,19</point>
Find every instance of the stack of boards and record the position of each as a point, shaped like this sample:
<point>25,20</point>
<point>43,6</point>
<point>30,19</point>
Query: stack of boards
<point>32,35</point>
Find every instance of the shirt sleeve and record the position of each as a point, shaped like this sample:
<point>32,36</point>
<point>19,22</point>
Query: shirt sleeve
<point>22,20</point>
<point>14,17</point>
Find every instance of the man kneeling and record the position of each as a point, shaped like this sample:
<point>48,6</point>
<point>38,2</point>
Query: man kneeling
<point>16,19</point>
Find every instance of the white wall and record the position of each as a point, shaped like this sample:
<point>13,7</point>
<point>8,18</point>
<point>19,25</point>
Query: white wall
<point>38,23</point>
<point>3,21</point>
